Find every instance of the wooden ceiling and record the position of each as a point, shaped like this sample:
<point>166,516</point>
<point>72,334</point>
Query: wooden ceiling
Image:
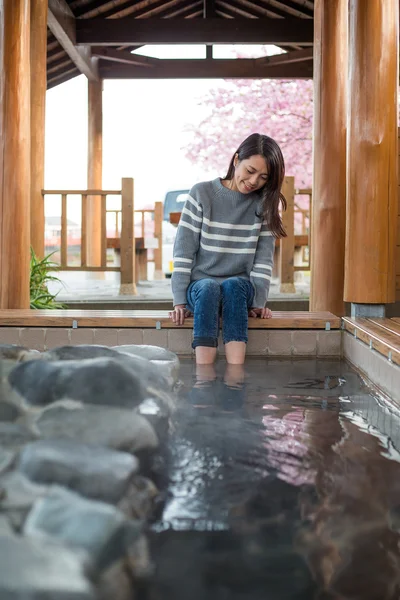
<point>96,37</point>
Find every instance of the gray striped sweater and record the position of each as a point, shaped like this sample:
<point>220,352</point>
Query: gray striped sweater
<point>219,236</point>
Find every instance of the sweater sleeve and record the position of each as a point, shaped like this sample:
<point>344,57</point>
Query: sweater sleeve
<point>185,247</point>
<point>260,275</point>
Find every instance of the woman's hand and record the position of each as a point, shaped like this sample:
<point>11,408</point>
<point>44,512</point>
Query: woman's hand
<point>263,313</point>
<point>179,314</point>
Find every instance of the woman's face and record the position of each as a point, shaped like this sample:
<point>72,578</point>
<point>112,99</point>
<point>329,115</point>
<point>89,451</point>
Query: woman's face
<point>250,174</point>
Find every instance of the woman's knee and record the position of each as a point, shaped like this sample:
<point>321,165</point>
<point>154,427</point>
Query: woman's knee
<point>208,288</point>
<point>233,285</point>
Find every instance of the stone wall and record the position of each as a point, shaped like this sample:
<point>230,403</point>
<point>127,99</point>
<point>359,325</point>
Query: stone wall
<point>277,342</point>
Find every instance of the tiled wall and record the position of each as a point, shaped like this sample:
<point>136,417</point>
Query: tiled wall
<point>261,342</point>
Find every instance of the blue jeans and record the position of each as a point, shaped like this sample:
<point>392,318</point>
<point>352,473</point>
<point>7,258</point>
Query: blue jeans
<point>207,299</point>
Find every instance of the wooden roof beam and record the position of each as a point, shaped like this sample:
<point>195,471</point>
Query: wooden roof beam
<point>62,24</point>
<point>125,57</point>
<point>287,57</point>
<point>112,32</point>
<point>241,68</point>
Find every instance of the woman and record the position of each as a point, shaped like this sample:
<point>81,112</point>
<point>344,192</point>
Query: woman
<point>224,249</point>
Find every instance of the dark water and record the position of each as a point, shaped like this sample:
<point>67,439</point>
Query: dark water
<point>284,483</point>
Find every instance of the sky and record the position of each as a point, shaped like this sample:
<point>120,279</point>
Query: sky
<point>143,130</point>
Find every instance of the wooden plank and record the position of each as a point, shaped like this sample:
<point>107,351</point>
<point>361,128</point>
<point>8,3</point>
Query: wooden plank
<point>287,57</point>
<point>128,276</point>
<point>38,46</point>
<point>388,325</point>
<point>84,230</point>
<point>103,231</point>
<point>129,30</point>
<point>93,192</point>
<point>125,57</point>
<point>241,68</point>
<point>90,269</point>
<point>95,245</point>
<point>149,319</point>
<point>64,233</point>
<point>61,22</point>
<point>287,243</point>
<point>158,221</point>
<point>376,337</point>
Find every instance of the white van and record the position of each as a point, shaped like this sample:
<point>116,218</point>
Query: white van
<point>173,202</point>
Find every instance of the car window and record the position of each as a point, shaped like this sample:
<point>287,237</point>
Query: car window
<point>174,202</point>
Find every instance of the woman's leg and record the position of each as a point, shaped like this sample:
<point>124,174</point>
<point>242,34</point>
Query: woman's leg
<point>204,298</point>
<point>237,296</point>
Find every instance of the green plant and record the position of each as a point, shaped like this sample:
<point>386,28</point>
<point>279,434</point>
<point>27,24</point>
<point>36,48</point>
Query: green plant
<point>40,275</point>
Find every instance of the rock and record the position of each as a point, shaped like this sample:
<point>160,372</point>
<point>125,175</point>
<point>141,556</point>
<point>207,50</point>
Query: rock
<point>96,528</point>
<point>149,352</point>
<point>158,414</point>
<point>17,491</point>
<point>5,526</point>
<point>8,412</point>
<point>14,435</point>
<point>155,378</point>
<point>115,583</point>
<point>139,498</point>
<point>14,352</point>
<point>162,357</point>
<point>6,459</point>
<point>17,496</point>
<point>80,352</point>
<point>30,570</point>
<point>116,428</point>
<point>93,471</point>
<point>101,381</point>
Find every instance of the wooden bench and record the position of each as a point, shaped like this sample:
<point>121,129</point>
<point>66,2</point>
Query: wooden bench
<point>286,334</point>
<point>382,335</point>
<point>153,319</point>
<point>142,245</point>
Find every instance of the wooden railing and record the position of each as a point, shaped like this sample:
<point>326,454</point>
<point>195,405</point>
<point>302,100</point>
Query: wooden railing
<point>287,247</point>
<point>133,250</point>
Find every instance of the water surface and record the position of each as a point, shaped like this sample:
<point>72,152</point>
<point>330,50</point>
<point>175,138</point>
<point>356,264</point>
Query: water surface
<point>283,482</point>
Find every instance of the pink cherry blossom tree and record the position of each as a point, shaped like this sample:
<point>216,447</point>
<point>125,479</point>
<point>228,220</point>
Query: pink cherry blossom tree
<point>282,109</point>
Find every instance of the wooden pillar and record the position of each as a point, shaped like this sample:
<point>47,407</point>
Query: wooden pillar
<point>397,261</point>
<point>286,255</point>
<point>38,101</point>
<point>14,153</point>
<point>372,152</point>
<point>95,171</point>
<point>128,245</point>
<point>328,223</point>
<point>158,220</point>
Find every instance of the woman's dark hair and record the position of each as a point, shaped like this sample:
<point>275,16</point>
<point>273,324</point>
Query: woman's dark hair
<point>271,192</point>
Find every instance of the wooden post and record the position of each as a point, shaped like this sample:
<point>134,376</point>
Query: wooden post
<point>128,285</point>
<point>158,219</point>
<point>15,168</point>
<point>372,152</point>
<point>287,243</point>
<point>398,231</point>
<point>328,223</point>
<point>95,172</point>
<point>38,101</point>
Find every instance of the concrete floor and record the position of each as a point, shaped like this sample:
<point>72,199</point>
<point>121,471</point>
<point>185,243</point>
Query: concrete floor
<point>84,287</point>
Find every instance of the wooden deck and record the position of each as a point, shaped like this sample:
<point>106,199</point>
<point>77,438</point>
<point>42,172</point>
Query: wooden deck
<point>382,335</point>
<point>153,319</point>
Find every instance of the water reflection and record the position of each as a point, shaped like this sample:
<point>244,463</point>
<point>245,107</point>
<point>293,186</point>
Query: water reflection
<point>281,494</point>
<point>227,393</point>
